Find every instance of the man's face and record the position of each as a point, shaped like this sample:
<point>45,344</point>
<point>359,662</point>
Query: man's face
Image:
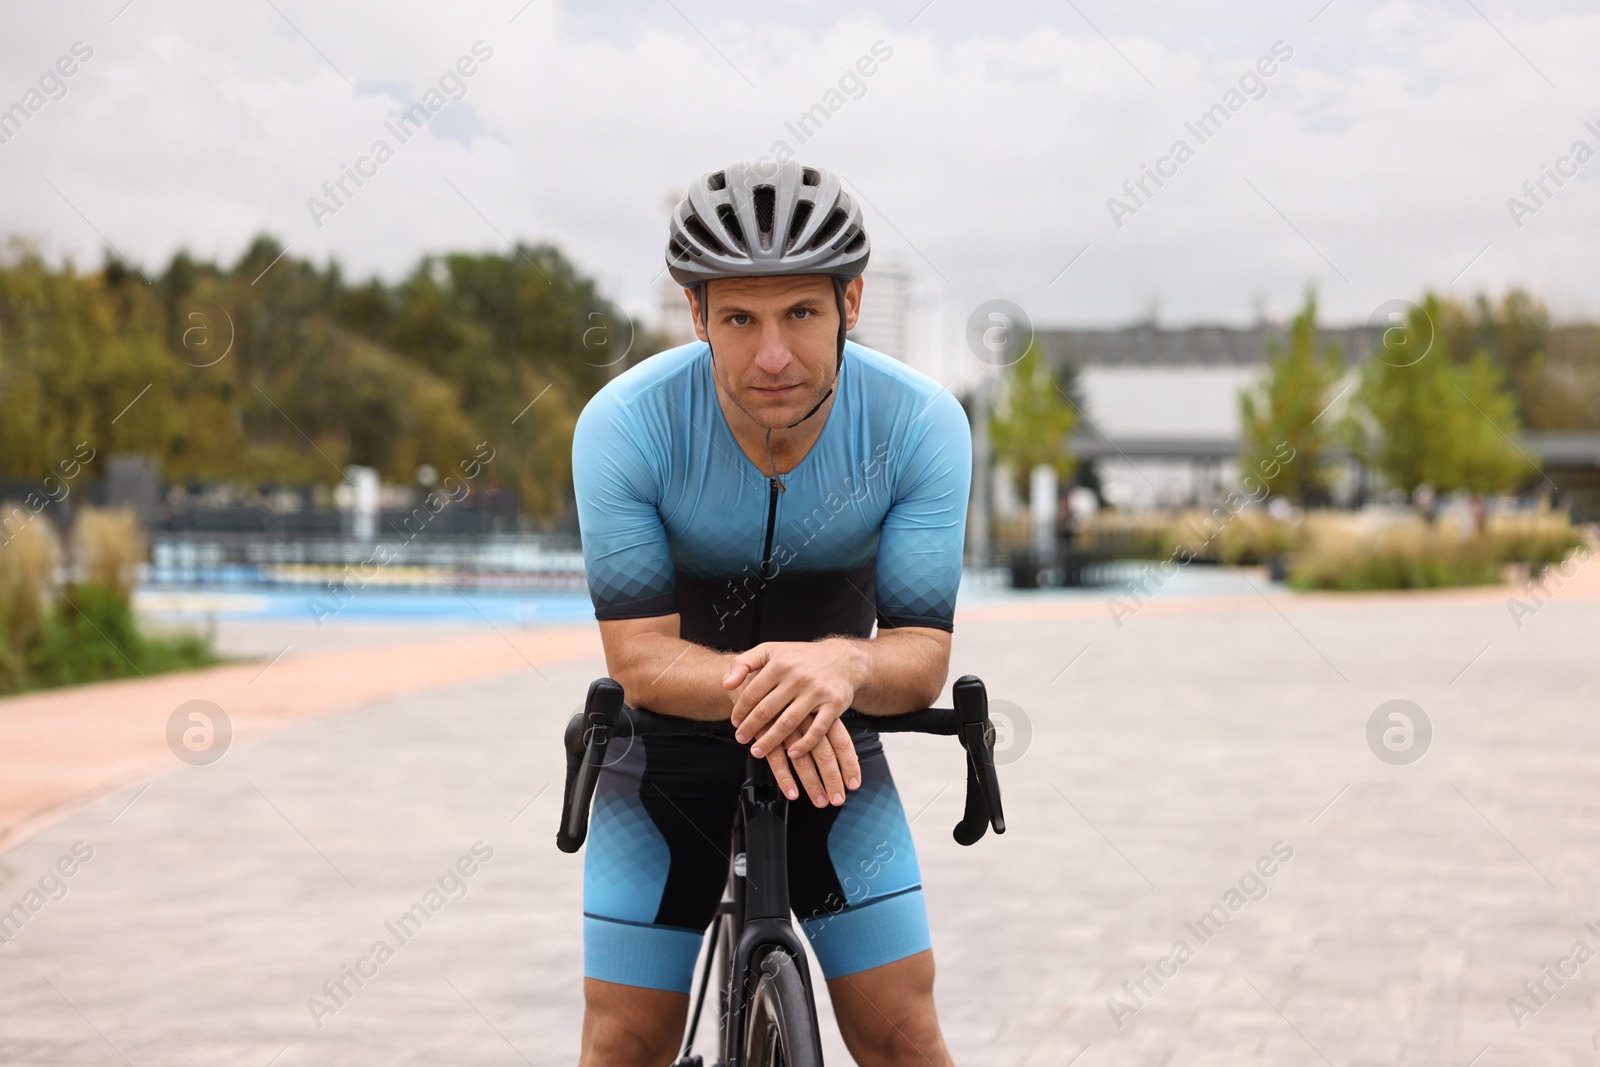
<point>775,341</point>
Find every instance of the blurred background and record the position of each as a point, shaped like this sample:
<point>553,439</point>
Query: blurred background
<point>282,271</point>
<point>299,304</point>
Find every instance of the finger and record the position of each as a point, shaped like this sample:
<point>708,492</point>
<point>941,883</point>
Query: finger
<point>828,767</point>
<point>774,718</point>
<point>806,768</point>
<point>821,722</point>
<point>745,664</point>
<point>780,770</point>
<point>756,706</point>
<point>844,747</point>
<point>789,707</point>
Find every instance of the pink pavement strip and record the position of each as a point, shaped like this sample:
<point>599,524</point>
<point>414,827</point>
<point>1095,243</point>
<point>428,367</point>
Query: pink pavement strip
<point>61,748</point>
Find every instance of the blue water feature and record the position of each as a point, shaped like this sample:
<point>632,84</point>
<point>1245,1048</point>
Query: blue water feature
<point>522,607</point>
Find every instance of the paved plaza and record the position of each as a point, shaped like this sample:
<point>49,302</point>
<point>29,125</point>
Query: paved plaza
<point>1194,810</point>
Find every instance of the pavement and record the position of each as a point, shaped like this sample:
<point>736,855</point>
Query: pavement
<point>1207,759</point>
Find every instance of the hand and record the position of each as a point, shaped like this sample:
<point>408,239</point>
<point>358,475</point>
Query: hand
<point>825,771</point>
<point>787,683</point>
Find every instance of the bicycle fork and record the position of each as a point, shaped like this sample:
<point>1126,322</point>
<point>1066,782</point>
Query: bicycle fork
<point>766,927</point>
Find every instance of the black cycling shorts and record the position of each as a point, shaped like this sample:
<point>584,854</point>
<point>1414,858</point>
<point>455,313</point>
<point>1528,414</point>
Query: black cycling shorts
<point>657,863</point>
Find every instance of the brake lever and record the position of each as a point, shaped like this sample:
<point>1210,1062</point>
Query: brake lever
<point>976,733</point>
<point>587,738</point>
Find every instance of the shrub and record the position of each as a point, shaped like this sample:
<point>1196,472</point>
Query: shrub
<point>108,547</point>
<point>1536,539</point>
<point>1352,553</point>
<point>28,556</point>
<point>82,631</point>
<point>1246,538</point>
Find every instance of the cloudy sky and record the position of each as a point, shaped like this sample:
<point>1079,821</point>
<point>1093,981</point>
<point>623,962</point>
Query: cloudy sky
<point>1375,160</point>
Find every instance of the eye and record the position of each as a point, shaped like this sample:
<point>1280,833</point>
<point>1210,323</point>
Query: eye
<point>804,313</point>
<point>739,320</point>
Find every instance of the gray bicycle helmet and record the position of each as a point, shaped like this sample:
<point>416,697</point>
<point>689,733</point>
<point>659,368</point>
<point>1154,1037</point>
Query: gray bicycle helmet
<point>758,220</point>
<point>752,220</point>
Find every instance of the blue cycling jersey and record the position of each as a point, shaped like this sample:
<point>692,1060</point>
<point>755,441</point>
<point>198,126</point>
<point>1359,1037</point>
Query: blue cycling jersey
<point>677,520</point>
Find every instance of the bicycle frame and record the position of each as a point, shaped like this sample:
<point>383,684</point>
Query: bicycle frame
<point>760,906</point>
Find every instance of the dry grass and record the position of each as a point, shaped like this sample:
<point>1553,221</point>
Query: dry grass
<point>1355,552</point>
<point>1535,538</point>
<point>1341,550</point>
<point>28,555</point>
<point>1246,538</point>
<point>108,547</point>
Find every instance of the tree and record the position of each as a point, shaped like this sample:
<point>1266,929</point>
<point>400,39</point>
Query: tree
<point>1418,418</point>
<point>1034,420</point>
<point>318,372</point>
<point>1483,458</point>
<point>1286,407</point>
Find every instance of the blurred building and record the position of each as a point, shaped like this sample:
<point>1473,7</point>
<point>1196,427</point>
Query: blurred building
<point>886,305</point>
<point>1161,419</point>
<point>674,323</point>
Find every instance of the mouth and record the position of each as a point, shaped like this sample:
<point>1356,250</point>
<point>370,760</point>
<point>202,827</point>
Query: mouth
<point>775,391</point>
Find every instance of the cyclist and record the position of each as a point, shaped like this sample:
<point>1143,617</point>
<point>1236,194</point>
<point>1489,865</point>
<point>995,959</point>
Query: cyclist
<point>751,504</point>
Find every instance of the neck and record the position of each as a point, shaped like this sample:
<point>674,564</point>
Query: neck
<point>789,444</point>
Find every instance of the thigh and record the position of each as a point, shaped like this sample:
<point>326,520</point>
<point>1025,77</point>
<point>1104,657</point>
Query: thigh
<point>853,875</point>
<point>657,859</point>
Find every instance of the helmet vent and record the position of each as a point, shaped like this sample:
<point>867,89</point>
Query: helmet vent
<point>810,177</point>
<point>730,223</point>
<point>855,245</point>
<point>802,215</point>
<point>834,224</point>
<point>718,181</point>
<point>698,231</point>
<point>677,250</point>
<point>766,200</point>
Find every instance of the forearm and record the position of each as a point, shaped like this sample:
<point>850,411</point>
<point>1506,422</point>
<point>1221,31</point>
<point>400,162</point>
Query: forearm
<point>897,671</point>
<point>671,676</point>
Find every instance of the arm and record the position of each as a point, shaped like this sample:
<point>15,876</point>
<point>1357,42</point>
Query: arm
<point>659,670</point>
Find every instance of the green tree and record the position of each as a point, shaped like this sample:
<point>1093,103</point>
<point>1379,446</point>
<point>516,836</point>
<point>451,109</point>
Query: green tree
<point>1286,407</point>
<point>1420,418</point>
<point>1482,458</point>
<point>318,372</point>
<point>1033,422</point>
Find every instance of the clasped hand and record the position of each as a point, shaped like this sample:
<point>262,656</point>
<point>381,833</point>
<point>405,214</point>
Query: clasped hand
<point>793,694</point>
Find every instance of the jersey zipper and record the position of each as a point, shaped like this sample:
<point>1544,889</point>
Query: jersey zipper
<point>773,489</point>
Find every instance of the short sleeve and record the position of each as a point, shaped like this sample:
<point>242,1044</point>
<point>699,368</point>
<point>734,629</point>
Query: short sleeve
<point>924,533</point>
<point>626,555</point>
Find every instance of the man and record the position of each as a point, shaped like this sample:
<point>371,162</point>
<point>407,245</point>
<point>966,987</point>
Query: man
<point>751,504</point>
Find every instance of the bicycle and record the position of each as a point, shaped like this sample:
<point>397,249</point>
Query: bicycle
<point>768,1017</point>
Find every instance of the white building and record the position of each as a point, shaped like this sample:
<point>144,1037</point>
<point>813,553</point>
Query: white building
<point>886,306</point>
<point>674,321</point>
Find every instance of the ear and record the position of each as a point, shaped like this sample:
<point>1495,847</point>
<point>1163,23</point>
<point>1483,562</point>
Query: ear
<point>852,301</point>
<point>694,312</point>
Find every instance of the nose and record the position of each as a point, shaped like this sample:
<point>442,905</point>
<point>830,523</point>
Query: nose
<point>772,350</point>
